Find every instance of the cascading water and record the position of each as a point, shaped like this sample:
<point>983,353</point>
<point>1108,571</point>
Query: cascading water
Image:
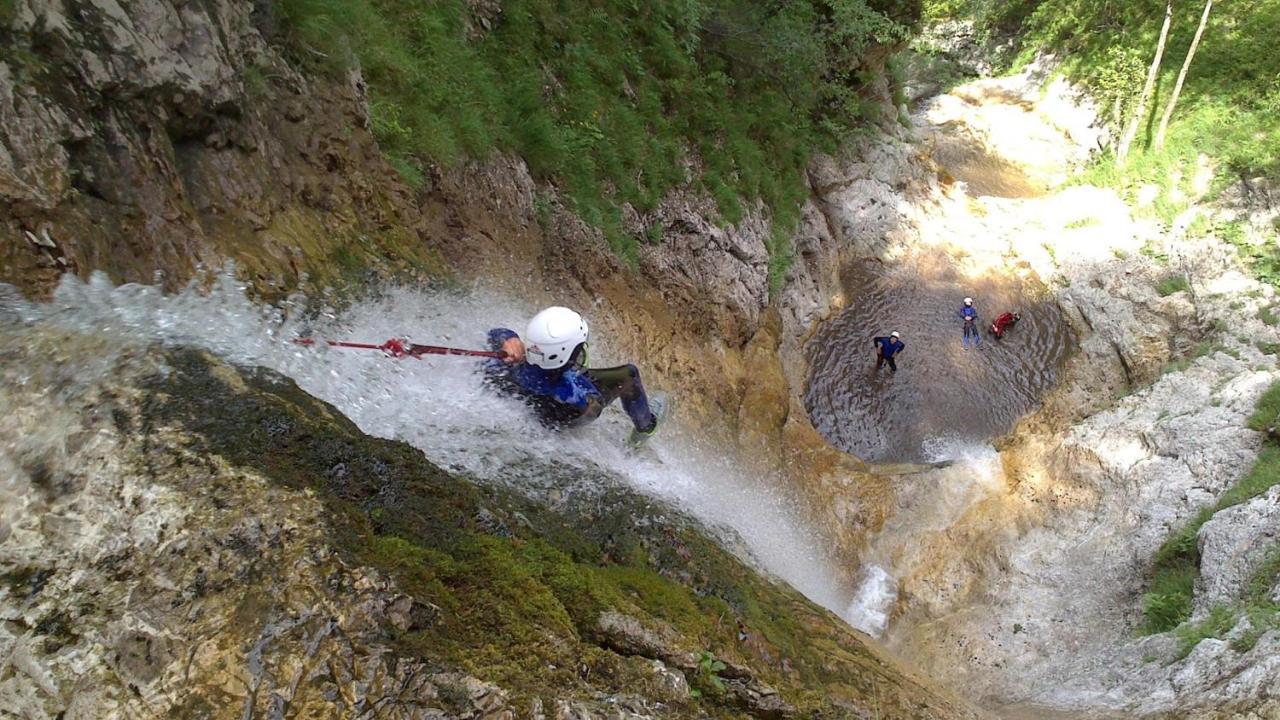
<point>928,503</point>
<point>439,404</point>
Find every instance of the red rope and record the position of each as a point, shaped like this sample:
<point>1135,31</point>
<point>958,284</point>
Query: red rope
<point>396,347</point>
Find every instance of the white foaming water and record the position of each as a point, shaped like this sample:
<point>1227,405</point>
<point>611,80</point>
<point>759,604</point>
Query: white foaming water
<point>929,502</point>
<point>438,404</point>
<point>869,611</point>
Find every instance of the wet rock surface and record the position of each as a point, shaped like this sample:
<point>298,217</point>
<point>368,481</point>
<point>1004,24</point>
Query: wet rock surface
<point>189,538</point>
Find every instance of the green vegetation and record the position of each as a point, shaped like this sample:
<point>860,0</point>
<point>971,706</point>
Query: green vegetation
<point>1149,250</point>
<point>613,100</point>
<point>1085,222</point>
<point>708,676</point>
<point>1262,612</point>
<point>1227,111</point>
<point>1168,603</point>
<point>1259,607</point>
<point>1201,349</point>
<point>1262,258</point>
<point>1267,316</point>
<point>1217,623</point>
<point>1268,408</point>
<point>1172,284</point>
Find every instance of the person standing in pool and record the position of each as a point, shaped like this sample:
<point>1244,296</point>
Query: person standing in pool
<point>886,348</point>
<point>969,316</point>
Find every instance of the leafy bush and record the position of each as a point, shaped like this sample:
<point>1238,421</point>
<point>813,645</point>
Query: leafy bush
<point>612,100</point>
<point>708,678</point>
<point>1228,109</point>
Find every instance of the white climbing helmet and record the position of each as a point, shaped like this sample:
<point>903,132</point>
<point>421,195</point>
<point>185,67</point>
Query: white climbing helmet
<point>552,336</point>
<point>894,334</point>
<point>968,301</point>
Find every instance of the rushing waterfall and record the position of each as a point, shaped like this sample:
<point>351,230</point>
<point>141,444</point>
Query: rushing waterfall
<point>439,404</point>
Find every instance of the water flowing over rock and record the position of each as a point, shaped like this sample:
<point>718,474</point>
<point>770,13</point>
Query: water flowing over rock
<point>183,536</point>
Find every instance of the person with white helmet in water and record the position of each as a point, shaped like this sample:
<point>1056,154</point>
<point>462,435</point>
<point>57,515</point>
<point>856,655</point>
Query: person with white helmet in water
<point>548,368</point>
<point>969,316</point>
<point>886,348</point>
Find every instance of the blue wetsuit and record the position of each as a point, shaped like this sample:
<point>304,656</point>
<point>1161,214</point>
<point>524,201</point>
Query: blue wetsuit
<point>887,348</point>
<point>969,316</point>
<point>572,394</point>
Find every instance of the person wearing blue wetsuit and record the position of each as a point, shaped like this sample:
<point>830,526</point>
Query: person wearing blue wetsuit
<point>547,368</point>
<point>969,316</point>
<point>886,348</point>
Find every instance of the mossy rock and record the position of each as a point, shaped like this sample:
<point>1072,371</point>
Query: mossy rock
<point>520,588</point>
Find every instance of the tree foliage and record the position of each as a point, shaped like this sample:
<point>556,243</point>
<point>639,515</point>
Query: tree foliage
<point>1231,100</point>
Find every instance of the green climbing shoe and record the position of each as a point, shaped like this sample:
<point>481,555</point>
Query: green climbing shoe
<point>660,405</point>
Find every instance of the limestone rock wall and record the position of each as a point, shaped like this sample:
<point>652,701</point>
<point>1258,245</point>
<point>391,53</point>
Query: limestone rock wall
<point>149,138</point>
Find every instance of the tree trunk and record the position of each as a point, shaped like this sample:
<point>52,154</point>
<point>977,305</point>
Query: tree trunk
<point>1182,76</point>
<point>1132,131</point>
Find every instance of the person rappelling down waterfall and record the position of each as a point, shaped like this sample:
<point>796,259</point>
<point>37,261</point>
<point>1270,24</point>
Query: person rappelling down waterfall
<point>548,369</point>
<point>886,348</point>
<point>969,316</point>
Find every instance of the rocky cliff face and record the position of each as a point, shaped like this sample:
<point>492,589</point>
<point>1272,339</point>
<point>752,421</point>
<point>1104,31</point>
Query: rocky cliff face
<point>150,138</point>
<point>161,561</point>
<point>185,135</point>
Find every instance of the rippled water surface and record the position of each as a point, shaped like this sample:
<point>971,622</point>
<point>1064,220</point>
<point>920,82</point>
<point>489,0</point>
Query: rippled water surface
<point>942,394</point>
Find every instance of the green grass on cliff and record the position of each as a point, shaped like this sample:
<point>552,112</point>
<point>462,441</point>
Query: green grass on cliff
<point>1229,110</point>
<point>617,102</point>
<point>1168,603</point>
